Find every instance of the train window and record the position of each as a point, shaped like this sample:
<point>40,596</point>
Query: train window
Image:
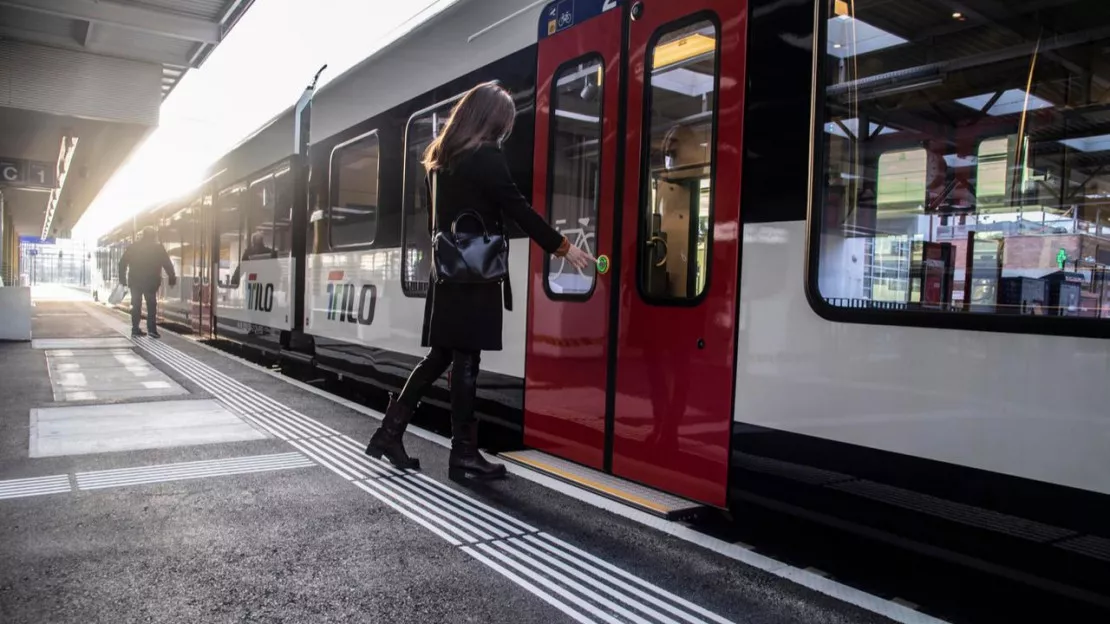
<point>676,200</point>
<point>416,259</point>
<point>258,238</point>
<point>283,211</point>
<point>574,172</point>
<point>230,221</point>
<point>353,216</point>
<point>964,163</point>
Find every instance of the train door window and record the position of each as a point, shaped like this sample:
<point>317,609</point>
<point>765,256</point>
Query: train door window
<point>574,173</point>
<point>423,128</point>
<point>677,198</point>
<point>283,211</point>
<point>353,215</point>
<point>258,238</point>
<point>229,223</point>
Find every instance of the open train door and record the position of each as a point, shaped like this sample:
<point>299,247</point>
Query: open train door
<point>200,313</point>
<point>630,369</point>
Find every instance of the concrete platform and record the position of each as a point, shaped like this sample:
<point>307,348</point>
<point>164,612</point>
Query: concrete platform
<point>112,428</point>
<point>199,533</point>
<point>106,374</point>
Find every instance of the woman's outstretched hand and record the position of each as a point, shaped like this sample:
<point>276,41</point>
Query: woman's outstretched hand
<point>578,258</point>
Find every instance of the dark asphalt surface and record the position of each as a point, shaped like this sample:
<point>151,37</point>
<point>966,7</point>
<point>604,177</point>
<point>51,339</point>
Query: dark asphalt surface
<point>301,545</point>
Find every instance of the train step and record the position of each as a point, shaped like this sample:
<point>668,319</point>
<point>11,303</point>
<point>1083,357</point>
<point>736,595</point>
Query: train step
<point>635,495</point>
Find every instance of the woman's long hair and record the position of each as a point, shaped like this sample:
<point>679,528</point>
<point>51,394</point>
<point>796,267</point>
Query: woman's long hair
<point>484,115</point>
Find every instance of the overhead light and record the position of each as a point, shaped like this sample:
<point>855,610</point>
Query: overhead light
<point>957,15</point>
<point>683,49</point>
<point>576,116</point>
<point>1011,101</point>
<point>1099,143</point>
<point>850,36</point>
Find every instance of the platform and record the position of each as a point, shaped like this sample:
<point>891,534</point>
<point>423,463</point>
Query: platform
<point>233,494</point>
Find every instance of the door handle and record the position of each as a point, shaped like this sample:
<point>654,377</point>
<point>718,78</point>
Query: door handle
<point>656,240</point>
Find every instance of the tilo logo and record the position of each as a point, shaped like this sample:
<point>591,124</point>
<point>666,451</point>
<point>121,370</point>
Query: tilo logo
<point>259,296</point>
<point>348,306</point>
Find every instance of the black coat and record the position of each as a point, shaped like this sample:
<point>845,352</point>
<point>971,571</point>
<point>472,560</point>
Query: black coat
<point>464,316</point>
<point>141,266</point>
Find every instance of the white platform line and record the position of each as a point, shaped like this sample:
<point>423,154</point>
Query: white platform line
<point>539,564</point>
<point>452,533</point>
<point>528,586</point>
<point>191,464</point>
<point>646,592</point>
<point>522,526</point>
<point>190,470</point>
<point>39,492</point>
<point>458,512</point>
<point>465,504</point>
<point>593,611</point>
<point>195,475</point>
<point>323,459</point>
<point>606,585</point>
<point>450,539</point>
<point>356,457</point>
<point>462,527</point>
<point>51,479</point>
<point>355,470</point>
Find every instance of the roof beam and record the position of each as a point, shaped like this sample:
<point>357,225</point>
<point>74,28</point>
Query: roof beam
<point>130,17</point>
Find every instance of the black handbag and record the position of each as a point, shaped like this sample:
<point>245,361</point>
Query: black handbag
<point>464,257</point>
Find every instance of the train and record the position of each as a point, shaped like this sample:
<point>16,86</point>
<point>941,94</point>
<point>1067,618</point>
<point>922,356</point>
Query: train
<point>851,255</point>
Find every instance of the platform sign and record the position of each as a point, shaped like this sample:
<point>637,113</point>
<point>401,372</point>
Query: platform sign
<point>562,14</point>
<point>27,173</point>
<point>35,240</point>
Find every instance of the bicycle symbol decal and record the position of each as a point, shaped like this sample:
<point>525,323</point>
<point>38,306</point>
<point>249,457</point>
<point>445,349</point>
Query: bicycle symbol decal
<point>578,237</point>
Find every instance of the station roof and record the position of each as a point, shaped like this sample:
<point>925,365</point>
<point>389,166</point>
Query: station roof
<point>87,78</point>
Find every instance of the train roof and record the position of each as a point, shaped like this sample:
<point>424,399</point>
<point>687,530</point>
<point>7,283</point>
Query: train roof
<point>434,52</point>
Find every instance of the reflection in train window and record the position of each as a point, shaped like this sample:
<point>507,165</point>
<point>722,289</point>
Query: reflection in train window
<point>966,159</point>
<point>416,260</point>
<point>353,213</point>
<point>574,174</point>
<point>677,200</point>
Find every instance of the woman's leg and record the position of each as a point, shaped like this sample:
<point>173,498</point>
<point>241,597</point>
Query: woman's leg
<point>423,376</point>
<point>465,457</point>
<point>387,440</point>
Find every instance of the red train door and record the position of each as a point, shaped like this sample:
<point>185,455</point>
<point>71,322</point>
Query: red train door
<point>201,301</point>
<point>576,176</point>
<point>659,410</point>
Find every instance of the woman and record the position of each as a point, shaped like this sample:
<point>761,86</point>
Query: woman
<point>462,320</point>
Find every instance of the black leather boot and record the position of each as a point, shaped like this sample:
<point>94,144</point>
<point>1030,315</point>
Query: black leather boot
<point>465,458</point>
<point>387,439</point>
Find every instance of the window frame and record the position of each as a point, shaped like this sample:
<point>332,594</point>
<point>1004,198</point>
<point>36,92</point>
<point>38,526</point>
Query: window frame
<point>333,192</point>
<point>1078,327</point>
<point>580,60</point>
<point>406,285</point>
<point>643,192</point>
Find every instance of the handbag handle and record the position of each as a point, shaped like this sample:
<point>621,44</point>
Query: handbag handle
<point>473,215</point>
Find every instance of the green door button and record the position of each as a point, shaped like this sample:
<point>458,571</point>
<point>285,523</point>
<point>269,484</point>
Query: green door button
<point>603,264</point>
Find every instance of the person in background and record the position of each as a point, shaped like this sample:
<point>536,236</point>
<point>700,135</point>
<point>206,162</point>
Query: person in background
<point>140,269</point>
<point>462,320</point>
<point>257,250</point>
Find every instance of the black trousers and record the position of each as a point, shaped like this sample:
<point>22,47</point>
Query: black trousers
<point>464,384</point>
<point>137,297</point>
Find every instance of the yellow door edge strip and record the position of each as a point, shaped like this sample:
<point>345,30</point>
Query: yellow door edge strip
<point>590,483</point>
